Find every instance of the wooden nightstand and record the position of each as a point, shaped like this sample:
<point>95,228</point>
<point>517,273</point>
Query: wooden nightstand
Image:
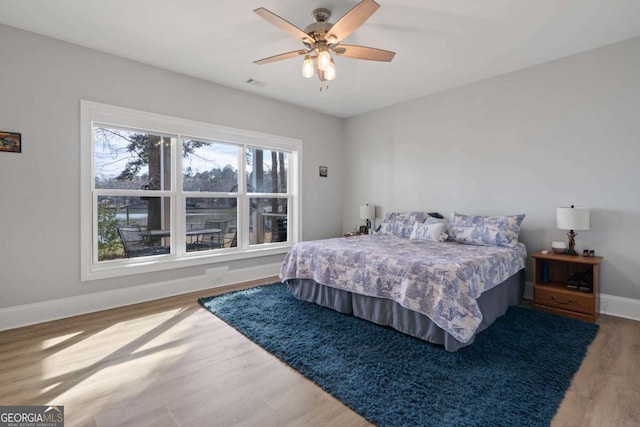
<point>554,296</point>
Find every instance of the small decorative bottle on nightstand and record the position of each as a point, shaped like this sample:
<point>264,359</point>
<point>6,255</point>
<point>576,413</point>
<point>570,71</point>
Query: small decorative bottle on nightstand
<point>567,285</point>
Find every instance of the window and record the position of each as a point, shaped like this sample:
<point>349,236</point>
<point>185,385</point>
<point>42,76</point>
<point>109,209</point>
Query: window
<point>156,196</point>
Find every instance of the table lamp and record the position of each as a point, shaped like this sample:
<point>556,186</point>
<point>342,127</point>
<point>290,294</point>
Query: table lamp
<point>571,219</point>
<point>368,212</point>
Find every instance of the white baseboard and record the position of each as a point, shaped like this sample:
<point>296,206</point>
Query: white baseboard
<point>611,305</point>
<point>45,311</point>
<point>30,314</point>
<point>620,307</point>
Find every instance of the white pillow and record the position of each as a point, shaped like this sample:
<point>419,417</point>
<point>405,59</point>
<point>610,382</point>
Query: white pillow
<point>432,231</point>
<point>432,220</point>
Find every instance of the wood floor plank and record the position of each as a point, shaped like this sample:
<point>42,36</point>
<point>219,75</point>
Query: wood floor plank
<point>171,363</point>
<point>154,417</point>
<point>606,389</point>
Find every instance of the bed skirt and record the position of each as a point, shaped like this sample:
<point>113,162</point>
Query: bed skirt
<point>493,304</point>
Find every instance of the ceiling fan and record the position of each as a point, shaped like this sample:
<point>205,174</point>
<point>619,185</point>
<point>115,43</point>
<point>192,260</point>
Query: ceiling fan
<point>323,38</point>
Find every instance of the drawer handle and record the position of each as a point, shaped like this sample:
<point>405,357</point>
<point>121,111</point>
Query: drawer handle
<point>560,301</point>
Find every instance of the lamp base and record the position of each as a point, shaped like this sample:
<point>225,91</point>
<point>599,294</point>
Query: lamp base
<point>572,243</point>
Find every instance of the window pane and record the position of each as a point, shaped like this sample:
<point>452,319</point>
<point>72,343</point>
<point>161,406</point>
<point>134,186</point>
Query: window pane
<point>131,227</point>
<point>209,166</point>
<point>131,160</point>
<point>268,220</point>
<point>212,223</point>
<point>267,171</point>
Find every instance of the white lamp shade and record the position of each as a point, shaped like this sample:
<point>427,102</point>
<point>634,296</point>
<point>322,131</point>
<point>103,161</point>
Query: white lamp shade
<point>570,218</point>
<point>367,212</point>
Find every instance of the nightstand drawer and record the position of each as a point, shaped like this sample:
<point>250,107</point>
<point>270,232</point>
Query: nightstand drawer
<point>572,301</point>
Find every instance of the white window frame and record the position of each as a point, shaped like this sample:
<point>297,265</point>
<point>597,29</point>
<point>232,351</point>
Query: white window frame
<point>92,113</point>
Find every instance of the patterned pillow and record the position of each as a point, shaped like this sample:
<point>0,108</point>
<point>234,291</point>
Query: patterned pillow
<point>431,229</point>
<point>485,230</point>
<point>401,224</point>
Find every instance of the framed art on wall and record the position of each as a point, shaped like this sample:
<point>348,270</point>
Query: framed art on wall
<point>10,142</point>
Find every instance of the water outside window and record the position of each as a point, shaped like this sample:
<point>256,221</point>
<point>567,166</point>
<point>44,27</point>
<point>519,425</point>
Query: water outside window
<point>126,220</point>
<point>212,223</point>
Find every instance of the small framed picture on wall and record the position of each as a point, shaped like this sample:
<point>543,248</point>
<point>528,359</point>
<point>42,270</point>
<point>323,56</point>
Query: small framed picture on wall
<point>10,142</point>
<point>323,171</point>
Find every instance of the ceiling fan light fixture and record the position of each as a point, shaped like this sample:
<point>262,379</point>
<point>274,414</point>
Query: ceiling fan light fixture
<point>324,59</point>
<point>321,38</point>
<point>307,67</point>
<point>330,72</point>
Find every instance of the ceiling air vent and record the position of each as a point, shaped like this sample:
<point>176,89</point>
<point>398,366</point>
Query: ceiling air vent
<point>255,83</point>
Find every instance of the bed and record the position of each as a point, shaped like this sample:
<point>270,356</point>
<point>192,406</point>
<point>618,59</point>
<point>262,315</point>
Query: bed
<point>441,291</point>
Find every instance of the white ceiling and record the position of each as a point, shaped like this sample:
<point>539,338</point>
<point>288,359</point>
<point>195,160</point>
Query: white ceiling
<point>440,44</point>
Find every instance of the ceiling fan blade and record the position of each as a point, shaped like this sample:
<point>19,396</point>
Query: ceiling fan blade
<point>284,25</point>
<point>281,56</point>
<point>363,52</point>
<point>351,21</point>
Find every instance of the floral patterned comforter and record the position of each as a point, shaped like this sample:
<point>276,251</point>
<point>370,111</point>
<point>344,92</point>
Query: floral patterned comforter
<point>440,280</point>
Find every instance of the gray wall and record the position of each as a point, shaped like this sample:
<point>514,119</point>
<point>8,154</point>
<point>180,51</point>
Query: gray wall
<point>42,82</point>
<point>566,132</point>
<point>560,133</point>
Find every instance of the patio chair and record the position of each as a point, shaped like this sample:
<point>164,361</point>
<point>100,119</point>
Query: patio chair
<point>136,243</point>
<point>220,224</point>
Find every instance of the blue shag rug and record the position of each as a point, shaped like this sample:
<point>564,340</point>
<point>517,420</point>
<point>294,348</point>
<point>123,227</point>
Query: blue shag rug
<point>515,373</point>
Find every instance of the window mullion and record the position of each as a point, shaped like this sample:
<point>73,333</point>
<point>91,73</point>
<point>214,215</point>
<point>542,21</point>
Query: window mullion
<point>94,221</point>
<point>243,212</point>
<point>179,217</point>
<point>133,193</point>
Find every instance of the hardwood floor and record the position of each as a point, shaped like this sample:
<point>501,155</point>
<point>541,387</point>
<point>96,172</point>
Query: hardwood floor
<point>606,389</point>
<point>171,363</point>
